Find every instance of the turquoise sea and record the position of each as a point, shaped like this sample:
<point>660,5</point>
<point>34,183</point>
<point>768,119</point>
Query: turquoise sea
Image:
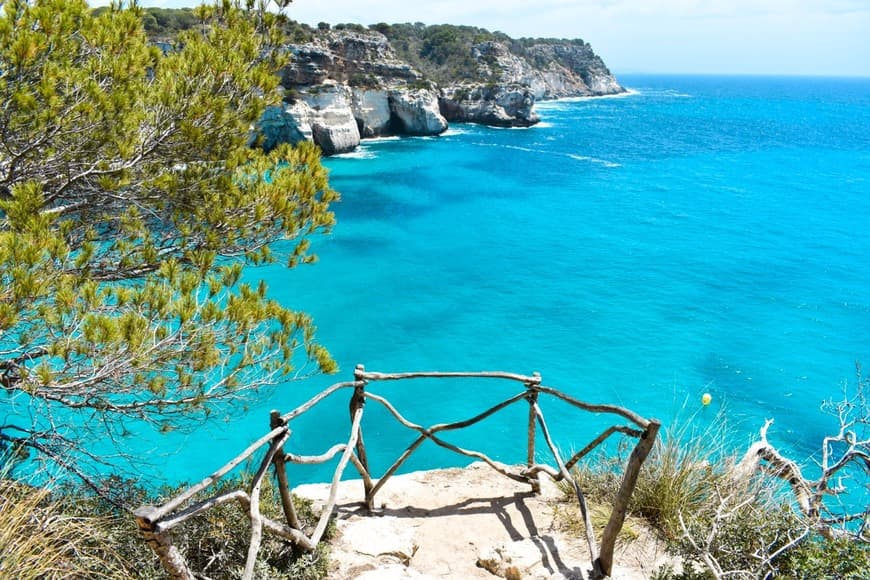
<point>701,234</point>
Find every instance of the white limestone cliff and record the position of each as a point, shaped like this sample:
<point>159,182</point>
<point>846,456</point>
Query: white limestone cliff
<point>344,85</point>
<point>417,112</point>
<point>323,115</point>
<point>371,108</point>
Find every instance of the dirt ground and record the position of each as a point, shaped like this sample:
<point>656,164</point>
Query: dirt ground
<point>466,523</point>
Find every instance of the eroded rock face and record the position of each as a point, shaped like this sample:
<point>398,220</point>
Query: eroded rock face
<point>346,85</point>
<point>518,78</point>
<point>550,70</point>
<point>569,69</point>
<point>358,59</point>
<point>416,112</point>
<point>310,64</point>
<point>371,108</point>
<point>287,124</point>
<point>333,125</point>
<point>497,106</point>
<point>323,116</point>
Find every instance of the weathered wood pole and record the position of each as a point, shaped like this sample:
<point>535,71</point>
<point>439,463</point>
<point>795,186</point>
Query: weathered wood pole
<point>604,564</point>
<point>532,398</point>
<point>357,401</point>
<point>161,542</point>
<point>280,466</point>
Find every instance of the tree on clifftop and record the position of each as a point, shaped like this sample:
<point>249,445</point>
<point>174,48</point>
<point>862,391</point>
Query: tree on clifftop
<point>130,200</point>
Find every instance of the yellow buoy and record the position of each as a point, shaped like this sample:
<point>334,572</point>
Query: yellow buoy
<point>706,398</point>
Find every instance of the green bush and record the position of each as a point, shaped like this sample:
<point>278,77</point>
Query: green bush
<point>822,558</point>
<point>441,52</point>
<point>362,80</point>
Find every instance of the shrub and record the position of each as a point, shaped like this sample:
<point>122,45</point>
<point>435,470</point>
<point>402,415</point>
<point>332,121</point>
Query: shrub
<point>362,80</point>
<point>680,474</point>
<point>722,524</point>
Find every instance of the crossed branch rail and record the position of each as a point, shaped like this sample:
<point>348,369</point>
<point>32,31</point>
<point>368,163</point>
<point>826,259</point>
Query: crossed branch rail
<point>156,523</point>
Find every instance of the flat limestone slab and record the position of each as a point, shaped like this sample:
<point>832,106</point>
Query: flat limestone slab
<point>464,523</point>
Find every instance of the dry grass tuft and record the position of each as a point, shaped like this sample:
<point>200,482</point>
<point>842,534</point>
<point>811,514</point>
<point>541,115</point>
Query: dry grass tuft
<point>38,542</point>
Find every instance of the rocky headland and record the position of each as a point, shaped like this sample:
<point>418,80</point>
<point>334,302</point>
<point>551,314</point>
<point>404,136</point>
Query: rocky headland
<point>350,83</point>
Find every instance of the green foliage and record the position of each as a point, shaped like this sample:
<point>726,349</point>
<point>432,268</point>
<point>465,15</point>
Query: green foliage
<point>421,84</point>
<point>166,22</point>
<point>823,558</point>
<point>462,94</point>
<point>682,471</point>
<point>297,32</point>
<point>381,27</point>
<point>445,53</point>
<point>353,27</point>
<point>214,543</point>
<point>130,200</point>
<point>568,516</point>
<point>689,572</point>
<point>442,52</point>
<point>746,539</point>
<point>363,80</point>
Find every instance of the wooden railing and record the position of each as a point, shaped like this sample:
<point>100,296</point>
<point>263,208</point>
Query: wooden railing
<point>156,522</point>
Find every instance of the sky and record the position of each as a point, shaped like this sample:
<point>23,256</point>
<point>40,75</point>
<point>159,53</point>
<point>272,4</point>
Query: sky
<point>789,37</point>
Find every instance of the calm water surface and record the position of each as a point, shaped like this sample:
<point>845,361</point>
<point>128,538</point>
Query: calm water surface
<point>704,234</point>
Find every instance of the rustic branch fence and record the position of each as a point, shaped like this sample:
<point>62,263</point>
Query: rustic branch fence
<point>156,522</point>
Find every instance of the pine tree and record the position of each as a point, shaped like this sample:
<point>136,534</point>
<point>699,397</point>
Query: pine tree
<point>131,199</point>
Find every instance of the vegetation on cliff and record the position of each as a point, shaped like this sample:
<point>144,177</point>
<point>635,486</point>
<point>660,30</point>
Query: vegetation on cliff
<point>755,514</point>
<point>441,52</point>
<point>73,533</point>
<point>445,54</point>
<point>165,24</point>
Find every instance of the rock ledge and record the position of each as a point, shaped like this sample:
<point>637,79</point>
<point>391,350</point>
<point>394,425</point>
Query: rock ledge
<point>464,523</point>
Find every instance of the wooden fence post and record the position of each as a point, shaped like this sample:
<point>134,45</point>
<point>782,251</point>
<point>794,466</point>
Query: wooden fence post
<point>357,401</point>
<point>280,466</point>
<point>532,397</point>
<point>161,542</point>
<point>604,563</point>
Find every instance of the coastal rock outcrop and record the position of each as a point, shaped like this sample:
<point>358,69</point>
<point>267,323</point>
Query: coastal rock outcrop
<point>498,106</point>
<point>416,112</point>
<point>285,124</point>
<point>347,85</point>
<point>548,69</point>
<point>567,69</point>
<point>371,109</point>
<point>351,83</point>
<point>324,116</point>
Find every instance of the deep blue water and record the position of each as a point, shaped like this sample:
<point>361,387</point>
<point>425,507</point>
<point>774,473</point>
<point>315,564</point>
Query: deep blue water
<point>704,234</point>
